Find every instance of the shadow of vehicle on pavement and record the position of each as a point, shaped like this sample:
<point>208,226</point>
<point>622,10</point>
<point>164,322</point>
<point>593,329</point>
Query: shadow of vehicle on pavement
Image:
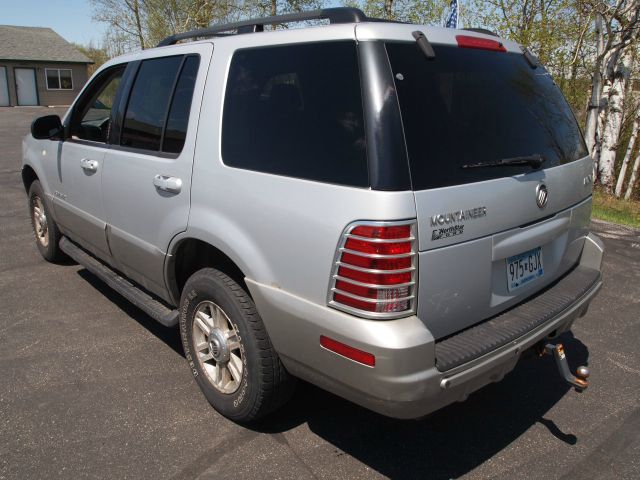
<point>444,445</point>
<point>448,443</point>
<point>170,336</point>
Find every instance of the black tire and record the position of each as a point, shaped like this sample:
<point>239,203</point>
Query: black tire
<point>265,385</point>
<point>45,231</point>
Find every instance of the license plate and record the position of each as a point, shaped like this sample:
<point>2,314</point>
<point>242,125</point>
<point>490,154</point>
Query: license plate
<point>524,268</point>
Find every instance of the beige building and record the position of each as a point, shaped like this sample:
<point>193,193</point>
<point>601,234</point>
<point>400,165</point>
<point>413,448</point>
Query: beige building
<point>39,67</point>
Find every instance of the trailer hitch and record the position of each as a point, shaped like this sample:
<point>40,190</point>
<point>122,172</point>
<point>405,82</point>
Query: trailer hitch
<point>579,381</point>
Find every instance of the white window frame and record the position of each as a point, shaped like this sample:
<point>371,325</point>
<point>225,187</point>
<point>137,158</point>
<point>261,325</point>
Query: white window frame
<point>46,78</point>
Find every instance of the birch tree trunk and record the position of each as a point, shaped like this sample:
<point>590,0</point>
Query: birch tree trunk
<point>627,156</point>
<point>590,129</point>
<point>388,9</point>
<point>617,78</point>
<point>634,177</point>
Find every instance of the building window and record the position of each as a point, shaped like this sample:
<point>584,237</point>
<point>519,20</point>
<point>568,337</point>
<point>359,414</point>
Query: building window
<point>59,79</point>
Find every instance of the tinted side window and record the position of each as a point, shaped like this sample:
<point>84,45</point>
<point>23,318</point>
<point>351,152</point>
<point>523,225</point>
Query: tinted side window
<point>178,120</point>
<point>148,102</point>
<point>296,110</point>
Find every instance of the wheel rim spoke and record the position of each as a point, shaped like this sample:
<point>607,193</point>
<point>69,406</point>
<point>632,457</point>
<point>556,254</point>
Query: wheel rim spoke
<point>232,341</point>
<point>217,347</point>
<point>217,373</point>
<point>219,320</point>
<point>205,357</point>
<point>202,324</point>
<point>40,221</point>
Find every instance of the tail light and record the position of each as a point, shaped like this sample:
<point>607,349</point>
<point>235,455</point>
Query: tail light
<point>375,273</point>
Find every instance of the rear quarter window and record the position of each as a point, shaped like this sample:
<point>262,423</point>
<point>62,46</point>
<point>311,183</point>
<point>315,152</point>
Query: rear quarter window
<point>296,110</point>
<point>469,106</point>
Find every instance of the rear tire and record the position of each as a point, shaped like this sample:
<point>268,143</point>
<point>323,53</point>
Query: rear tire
<point>228,348</point>
<point>44,227</point>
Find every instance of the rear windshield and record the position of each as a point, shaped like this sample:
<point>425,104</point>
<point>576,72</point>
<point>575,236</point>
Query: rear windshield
<point>469,106</point>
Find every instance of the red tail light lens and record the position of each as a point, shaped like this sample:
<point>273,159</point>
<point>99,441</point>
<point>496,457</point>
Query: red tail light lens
<point>375,272</point>
<point>375,278</point>
<point>465,41</point>
<point>391,248</point>
<point>377,263</point>
<point>401,231</point>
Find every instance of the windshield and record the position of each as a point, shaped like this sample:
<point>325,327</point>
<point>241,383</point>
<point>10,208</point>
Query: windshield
<point>469,106</point>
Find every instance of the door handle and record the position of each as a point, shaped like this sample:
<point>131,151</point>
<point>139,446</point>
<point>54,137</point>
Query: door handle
<point>89,165</point>
<point>167,184</point>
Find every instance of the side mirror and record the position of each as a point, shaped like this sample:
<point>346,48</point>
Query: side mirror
<point>49,126</point>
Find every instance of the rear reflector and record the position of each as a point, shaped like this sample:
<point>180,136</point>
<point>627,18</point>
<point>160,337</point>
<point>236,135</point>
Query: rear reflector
<point>465,41</point>
<point>375,272</point>
<point>349,352</point>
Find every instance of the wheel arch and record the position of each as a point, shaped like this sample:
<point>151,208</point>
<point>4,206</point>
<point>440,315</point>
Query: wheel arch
<point>29,175</point>
<point>190,254</point>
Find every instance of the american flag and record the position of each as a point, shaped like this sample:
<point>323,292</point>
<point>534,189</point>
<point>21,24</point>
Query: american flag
<point>452,19</point>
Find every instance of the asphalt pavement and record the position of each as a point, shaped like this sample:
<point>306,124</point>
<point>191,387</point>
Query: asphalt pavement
<point>91,387</point>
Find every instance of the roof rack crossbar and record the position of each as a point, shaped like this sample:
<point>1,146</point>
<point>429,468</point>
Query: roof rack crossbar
<point>334,15</point>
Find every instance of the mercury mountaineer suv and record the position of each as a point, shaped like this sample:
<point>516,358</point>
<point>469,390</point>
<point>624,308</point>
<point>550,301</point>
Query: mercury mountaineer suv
<point>390,211</point>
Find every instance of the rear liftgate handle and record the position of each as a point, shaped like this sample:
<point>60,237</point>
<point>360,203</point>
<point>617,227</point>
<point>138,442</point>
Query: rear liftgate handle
<point>579,382</point>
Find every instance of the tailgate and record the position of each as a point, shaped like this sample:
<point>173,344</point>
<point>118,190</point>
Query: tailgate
<point>464,278</point>
<point>494,226</point>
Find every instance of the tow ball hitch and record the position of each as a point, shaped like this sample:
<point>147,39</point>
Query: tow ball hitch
<point>579,381</point>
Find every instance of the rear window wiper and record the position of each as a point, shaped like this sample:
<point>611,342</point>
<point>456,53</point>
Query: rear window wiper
<point>535,161</point>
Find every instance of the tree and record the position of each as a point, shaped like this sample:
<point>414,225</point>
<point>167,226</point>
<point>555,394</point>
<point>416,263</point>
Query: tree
<point>97,55</point>
<point>139,24</point>
<point>413,11</point>
<point>612,122</point>
<point>126,16</point>
<point>634,177</point>
<point>558,31</point>
<point>164,18</point>
<point>628,154</point>
<point>616,28</point>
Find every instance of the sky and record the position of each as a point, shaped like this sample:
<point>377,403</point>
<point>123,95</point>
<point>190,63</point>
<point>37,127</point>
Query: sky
<point>69,18</point>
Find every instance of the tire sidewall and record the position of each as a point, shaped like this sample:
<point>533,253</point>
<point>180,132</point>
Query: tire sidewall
<point>48,252</point>
<point>202,286</point>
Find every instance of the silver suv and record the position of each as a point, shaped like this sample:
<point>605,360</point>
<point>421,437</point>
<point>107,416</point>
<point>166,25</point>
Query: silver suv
<point>389,211</point>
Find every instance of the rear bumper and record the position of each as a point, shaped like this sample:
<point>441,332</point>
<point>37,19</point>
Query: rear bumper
<point>406,381</point>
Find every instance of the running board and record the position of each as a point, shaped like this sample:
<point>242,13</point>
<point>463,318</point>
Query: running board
<point>145,302</point>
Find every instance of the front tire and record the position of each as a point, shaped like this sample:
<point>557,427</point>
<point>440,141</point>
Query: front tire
<point>44,227</point>
<point>228,348</point>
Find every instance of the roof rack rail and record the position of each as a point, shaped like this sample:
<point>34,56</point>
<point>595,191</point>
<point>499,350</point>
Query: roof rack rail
<point>334,15</point>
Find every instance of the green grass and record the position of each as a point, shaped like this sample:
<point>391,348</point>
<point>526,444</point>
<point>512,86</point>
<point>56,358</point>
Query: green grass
<point>615,210</point>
